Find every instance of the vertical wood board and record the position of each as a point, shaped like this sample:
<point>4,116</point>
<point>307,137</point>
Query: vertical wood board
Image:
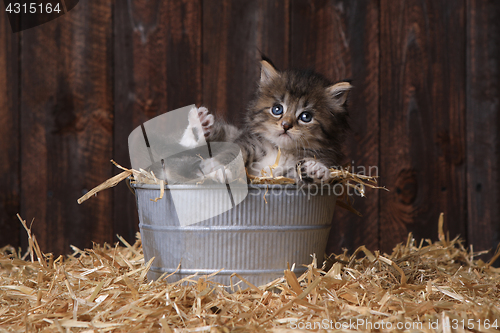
<point>483,122</point>
<point>422,117</point>
<point>67,127</point>
<point>9,135</point>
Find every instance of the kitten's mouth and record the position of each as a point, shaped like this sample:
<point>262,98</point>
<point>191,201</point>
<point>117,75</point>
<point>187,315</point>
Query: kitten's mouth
<point>284,140</point>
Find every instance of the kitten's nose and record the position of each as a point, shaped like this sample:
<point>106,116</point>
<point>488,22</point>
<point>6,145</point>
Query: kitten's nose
<point>286,125</point>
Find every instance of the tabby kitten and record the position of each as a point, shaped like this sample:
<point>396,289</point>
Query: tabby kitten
<point>300,112</point>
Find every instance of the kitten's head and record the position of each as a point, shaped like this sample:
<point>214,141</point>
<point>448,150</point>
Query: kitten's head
<point>300,110</point>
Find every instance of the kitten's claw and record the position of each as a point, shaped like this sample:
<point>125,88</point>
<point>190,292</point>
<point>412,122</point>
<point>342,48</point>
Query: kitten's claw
<point>199,121</point>
<point>206,120</point>
<point>315,170</point>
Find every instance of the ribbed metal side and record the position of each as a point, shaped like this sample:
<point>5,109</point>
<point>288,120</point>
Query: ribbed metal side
<point>255,239</point>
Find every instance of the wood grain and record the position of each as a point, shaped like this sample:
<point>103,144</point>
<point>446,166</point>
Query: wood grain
<point>9,135</point>
<point>340,39</point>
<point>422,117</point>
<point>483,121</point>
<point>157,69</point>
<point>67,126</point>
<point>424,107</point>
<point>234,35</point>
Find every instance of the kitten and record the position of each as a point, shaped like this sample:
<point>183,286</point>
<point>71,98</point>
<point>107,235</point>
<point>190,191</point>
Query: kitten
<point>300,112</point>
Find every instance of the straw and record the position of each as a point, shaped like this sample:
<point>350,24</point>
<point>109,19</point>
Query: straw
<point>342,176</point>
<point>104,289</point>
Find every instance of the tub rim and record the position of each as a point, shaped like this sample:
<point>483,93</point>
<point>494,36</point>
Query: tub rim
<point>145,186</point>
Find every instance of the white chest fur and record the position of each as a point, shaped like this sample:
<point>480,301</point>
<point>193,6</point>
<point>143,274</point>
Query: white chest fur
<point>285,163</point>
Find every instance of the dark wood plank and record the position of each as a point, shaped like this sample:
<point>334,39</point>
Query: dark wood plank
<point>157,69</point>
<point>340,39</point>
<point>234,34</point>
<point>9,134</point>
<point>483,122</point>
<point>422,117</point>
<point>66,127</point>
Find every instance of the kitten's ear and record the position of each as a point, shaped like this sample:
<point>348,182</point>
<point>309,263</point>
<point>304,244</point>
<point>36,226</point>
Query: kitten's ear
<point>338,92</point>
<point>267,72</point>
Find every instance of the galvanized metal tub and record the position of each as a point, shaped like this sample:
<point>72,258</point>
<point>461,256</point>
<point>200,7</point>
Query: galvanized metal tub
<point>255,239</point>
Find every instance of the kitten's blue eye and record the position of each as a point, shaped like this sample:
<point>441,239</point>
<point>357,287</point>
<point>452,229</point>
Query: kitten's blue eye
<point>277,109</point>
<point>306,117</point>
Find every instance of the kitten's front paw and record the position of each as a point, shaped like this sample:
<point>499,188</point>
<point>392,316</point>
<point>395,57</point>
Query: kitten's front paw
<point>315,170</point>
<point>200,124</point>
<point>206,120</point>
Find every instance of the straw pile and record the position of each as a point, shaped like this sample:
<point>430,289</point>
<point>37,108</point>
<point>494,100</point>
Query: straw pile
<point>421,286</point>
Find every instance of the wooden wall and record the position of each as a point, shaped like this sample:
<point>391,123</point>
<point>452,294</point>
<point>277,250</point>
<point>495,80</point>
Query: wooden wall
<point>425,108</point>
